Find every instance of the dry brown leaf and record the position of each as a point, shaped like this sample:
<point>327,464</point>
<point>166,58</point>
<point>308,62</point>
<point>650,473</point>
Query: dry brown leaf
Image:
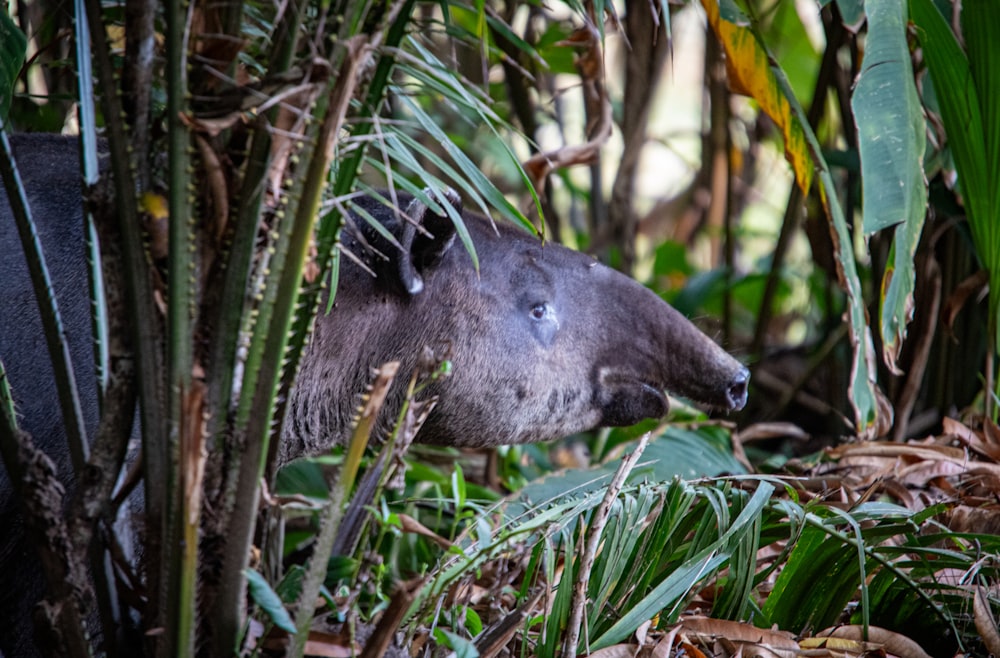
<point>775,430</point>
<point>963,518</point>
<point>973,285</point>
<point>959,429</point>
<point>920,475</point>
<point>323,650</point>
<point>838,646</point>
<point>411,525</point>
<point>740,632</point>
<point>985,623</point>
<point>662,648</point>
<point>319,643</point>
<point>617,651</point>
<point>898,490</point>
<point>906,450</point>
<point>688,649</point>
<point>976,441</point>
<point>991,432</point>
<point>982,483</point>
<point>894,643</point>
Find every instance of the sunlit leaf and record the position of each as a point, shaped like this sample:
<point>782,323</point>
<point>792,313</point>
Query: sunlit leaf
<point>751,73</point>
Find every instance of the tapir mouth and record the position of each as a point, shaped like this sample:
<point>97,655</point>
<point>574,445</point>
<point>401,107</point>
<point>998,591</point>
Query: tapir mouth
<point>625,400</point>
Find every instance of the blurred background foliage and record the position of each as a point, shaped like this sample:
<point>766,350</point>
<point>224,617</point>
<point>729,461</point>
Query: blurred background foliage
<point>742,159</point>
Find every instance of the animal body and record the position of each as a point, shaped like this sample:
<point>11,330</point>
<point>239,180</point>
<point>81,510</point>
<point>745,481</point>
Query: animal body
<point>544,341</point>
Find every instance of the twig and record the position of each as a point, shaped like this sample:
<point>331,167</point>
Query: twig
<point>591,65</point>
<point>594,535</point>
<point>927,317</point>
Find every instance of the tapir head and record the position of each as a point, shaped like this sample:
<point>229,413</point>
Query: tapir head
<point>544,341</point>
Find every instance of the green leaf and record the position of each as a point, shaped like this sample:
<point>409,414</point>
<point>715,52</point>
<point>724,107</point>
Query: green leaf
<point>980,27</point>
<point>704,563</point>
<point>461,648</point>
<point>12,49</point>
<point>959,102</point>
<point>472,172</point>
<point>890,122</point>
<point>852,11</point>
<point>891,138</point>
<point>268,601</point>
<point>818,580</point>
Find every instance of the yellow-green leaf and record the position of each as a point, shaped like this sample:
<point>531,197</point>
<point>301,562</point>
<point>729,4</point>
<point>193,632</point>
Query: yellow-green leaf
<point>750,72</point>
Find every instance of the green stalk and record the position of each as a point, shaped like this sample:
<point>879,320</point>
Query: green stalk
<point>185,455</point>
<point>228,311</point>
<point>332,222</point>
<point>254,416</point>
<point>147,331</point>
<point>263,368</point>
<point>333,512</point>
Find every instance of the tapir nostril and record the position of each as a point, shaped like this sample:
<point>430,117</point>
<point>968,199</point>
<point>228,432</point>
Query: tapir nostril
<point>737,391</point>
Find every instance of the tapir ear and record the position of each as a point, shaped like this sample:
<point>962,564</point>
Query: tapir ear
<point>424,246</point>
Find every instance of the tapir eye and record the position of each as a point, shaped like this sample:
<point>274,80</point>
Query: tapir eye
<point>544,323</point>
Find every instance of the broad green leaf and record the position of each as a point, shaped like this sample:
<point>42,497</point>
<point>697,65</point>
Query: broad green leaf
<point>891,139</point>
<point>751,71</point>
<point>460,647</point>
<point>890,123</point>
<point>980,27</point>
<point>269,601</point>
<point>852,12</point>
<point>960,106</point>
<point>12,48</point>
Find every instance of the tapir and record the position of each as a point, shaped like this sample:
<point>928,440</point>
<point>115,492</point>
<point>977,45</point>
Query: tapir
<point>543,341</point>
